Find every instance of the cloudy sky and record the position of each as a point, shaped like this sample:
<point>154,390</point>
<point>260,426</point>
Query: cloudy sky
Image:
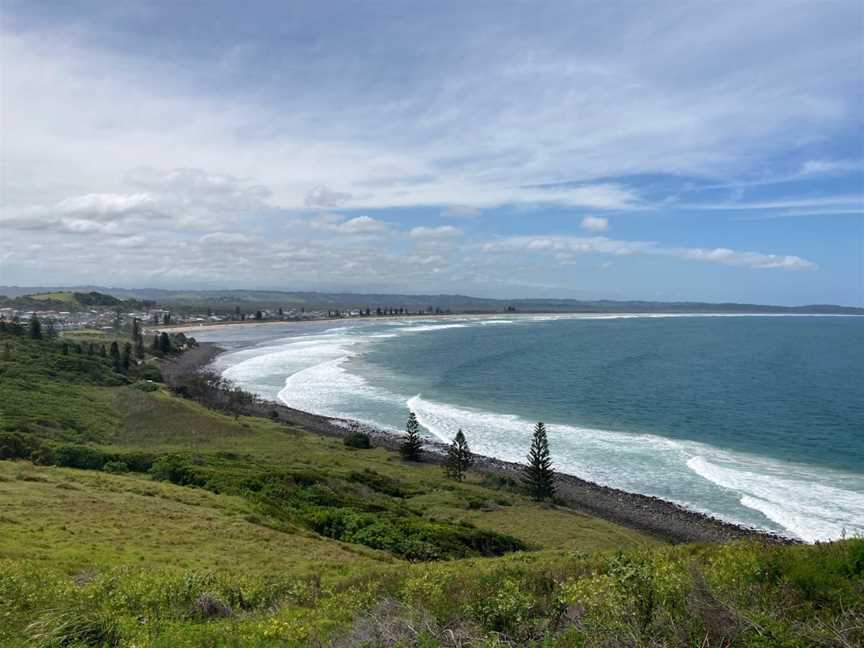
<point>654,150</point>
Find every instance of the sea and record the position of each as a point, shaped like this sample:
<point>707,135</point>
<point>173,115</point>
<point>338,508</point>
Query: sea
<point>755,419</point>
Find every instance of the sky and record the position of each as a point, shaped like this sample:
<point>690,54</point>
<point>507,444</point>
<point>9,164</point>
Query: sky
<point>653,150</point>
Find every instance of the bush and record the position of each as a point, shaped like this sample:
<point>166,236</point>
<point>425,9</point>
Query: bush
<point>357,440</point>
<point>149,371</point>
<point>74,627</point>
<point>146,386</point>
<point>378,482</point>
<point>76,456</point>
<point>116,467</point>
<point>16,446</point>
<point>177,470</point>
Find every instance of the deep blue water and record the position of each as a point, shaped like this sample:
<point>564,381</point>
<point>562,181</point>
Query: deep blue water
<point>756,419</point>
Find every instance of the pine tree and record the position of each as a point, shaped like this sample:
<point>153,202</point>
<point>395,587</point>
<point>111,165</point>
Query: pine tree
<point>154,346</point>
<point>459,458</point>
<point>35,327</point>
<point>126,358</point>
<point>412,444</point>
<point>50,330</point>
<point>164,343</point>
<point>538,475</point>
<point>115,350</point>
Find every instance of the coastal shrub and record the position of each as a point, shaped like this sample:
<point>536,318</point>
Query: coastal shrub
<point>81,626</point>
<point>357,440</point>
<point>116,467</point>
<point>145,386</point>
<point>177,470</point>
<point>507,610</point>
<point>135,461</point>
<point>14,445</point>
<point>43,455</point>
<point>378,482</point>
<point>410,537</point>
<point>78,456</point>
<point>825,574</point>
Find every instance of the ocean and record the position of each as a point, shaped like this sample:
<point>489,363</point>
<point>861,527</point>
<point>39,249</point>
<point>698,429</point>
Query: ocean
<point>755,419</point>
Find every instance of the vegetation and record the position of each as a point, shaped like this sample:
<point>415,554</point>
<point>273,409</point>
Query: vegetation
<point>459,458</point>
<point>538,475</point>
<point>133,516</point>
<point>358,440</point>
<point>71,301</point>
<point>412,444</point>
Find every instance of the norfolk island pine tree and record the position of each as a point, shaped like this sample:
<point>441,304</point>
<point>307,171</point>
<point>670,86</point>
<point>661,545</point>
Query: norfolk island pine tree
<point>412,444</point>
<point>538,475</point>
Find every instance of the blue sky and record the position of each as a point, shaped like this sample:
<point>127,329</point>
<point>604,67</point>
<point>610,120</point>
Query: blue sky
<point>659,150</point>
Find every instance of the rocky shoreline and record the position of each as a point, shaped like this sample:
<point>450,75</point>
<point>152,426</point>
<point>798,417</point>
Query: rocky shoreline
<point>652,515</point>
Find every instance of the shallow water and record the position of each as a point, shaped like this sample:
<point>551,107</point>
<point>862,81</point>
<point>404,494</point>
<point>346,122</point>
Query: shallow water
<point>755,419</point>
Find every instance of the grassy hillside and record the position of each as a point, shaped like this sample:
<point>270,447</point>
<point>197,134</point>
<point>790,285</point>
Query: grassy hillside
<point>129,516</point>
<point>67,300</point>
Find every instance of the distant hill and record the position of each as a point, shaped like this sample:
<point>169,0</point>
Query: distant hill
<point>67,300</point>
<point>228,299</point>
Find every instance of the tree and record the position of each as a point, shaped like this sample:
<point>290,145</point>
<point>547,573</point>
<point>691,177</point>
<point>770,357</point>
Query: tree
<point>258,315</point>
<point>538,475</point>
<point>126,358</point>
<point>164,343</point>
<point>154,346</point>
<point>115,350</point>
<point>35,327</point>
<point>50,330</point>
<point>411,444</point>
<point>459,458</point>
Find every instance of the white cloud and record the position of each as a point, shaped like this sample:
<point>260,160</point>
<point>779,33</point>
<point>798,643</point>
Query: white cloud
<point>444,231</point>
<point>337,224</point>
<point>594,224</point>
<point>322,196</point>
<point>362,225</point>
<point>746,259</point>
<point>106,206</point>
<point>226,239</point>
<point>566,247</point>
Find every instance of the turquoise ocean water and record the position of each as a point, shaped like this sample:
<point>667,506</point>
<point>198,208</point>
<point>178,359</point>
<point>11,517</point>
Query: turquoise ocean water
<point>755,419</point>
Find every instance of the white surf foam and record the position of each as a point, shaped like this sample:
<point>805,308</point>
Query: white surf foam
<point>430,327</point>
<point>313,373</point>
<point>810,504</point>
<point>810,509</point>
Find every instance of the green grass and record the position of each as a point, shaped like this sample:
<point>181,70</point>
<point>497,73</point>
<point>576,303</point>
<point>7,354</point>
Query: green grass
<point>64,297</point>
<point>233,539</point>
<point>79,520</point>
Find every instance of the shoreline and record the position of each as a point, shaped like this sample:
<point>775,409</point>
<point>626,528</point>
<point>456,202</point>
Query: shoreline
<point>217,326</point>
<point>648,514</point>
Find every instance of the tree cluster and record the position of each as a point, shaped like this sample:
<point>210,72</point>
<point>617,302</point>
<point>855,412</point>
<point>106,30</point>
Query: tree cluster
<point>538,476</point>
<point>212,390</point>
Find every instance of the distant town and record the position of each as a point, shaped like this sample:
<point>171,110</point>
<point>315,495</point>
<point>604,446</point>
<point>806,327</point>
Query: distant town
<point>115,309</point>
<point>72,311</point>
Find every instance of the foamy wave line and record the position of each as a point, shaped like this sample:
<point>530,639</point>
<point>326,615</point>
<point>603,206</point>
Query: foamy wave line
<point>799,503</point>
<point>812,511</point>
